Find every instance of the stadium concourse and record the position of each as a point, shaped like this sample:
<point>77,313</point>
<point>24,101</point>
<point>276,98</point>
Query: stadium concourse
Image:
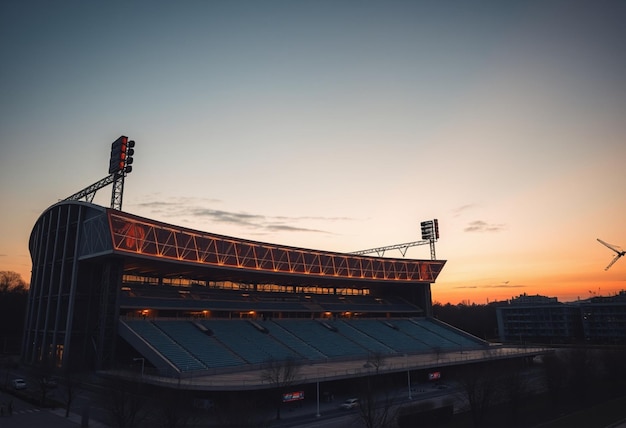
<point>254,379</point>
<point>110,290</point>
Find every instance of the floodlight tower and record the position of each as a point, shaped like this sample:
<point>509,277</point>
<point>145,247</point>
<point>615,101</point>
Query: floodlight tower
<point>430,234</point>
<point>120,165</point>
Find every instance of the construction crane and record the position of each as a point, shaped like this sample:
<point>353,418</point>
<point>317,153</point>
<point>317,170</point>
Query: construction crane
<point>615,248</point>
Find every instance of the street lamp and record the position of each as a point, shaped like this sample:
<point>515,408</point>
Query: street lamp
<point>317,415</point>
<point>408,374</point>
<point>143,361</point>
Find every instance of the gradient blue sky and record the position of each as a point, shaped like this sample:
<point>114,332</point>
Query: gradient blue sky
<point>334,125</point>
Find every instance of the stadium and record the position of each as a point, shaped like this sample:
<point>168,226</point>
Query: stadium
<point>112,292</point>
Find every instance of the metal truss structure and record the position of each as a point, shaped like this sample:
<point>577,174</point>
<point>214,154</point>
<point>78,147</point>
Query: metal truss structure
<point>380,251</point>
<point>89,192</point>
<point>146,238</point>
<point>119,166</point>
<point>430,234</point>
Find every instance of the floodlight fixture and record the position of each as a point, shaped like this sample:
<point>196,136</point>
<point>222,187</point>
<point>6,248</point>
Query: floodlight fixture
<point>122,151</point>
<point>430,230</point>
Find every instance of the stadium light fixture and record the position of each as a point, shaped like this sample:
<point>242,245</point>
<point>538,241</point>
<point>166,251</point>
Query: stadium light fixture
<point>122,151</point>
<point>430,230</point>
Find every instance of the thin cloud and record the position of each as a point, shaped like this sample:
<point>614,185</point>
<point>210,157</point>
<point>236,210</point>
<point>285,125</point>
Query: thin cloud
<point>221,216</point>
<point>505,284</point>
<point>288,228</point>
<point>183,210</point>
<point>458,211</point>
<point>483,226</point>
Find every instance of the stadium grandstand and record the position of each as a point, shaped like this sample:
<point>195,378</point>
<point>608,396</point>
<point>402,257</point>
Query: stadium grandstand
<point>109,288</point>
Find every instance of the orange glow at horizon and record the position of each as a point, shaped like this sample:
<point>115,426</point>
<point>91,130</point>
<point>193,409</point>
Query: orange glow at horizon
<point>565,290</point>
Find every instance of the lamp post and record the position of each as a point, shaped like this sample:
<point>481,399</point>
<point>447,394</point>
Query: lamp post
<point>408,374</point>
<point>143,361</point>
<point>317,415</point>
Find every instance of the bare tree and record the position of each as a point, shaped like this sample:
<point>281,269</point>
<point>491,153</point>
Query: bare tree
<point>44,372</point>
<point>376,406</point>
<point>555,373</point>
<point>124,402</point>
<point>375,360</point>
<point>581,376</point>
<point>175,406</point>
<point>280,374</point>
<point>514,388</point>
<point>11,282</point>
<point>478,385</point>
<point>13,300</point>
<point>241,410</point>
<point>425,414</point>
<point>438,351</point>
<point>375,402</point>
<point>69,383</point>
<point>614,369</point>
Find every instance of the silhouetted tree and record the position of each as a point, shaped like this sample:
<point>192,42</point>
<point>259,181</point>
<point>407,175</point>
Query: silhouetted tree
<point>614,366</point>
<point>174,406</point>
<point>479,320</point>
<point>12,282</point>
<point>514,387</point>
<point>44,373</point>
<point>70,384</point>
<point>124,400</point>
<point>280,374</point>
<point>555,373</point>
<point>375,402</point>
<point>240,410</point>
<point>13,299</point>
<point>581,373</point>
<point>478,388</point>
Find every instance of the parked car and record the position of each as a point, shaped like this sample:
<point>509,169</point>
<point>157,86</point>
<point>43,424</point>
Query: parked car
<point>350,403</point>
<point>19,384</point>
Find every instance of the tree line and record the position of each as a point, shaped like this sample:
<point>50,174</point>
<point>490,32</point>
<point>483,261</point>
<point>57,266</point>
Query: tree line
<point>13,299</point>
<point>478,320</point>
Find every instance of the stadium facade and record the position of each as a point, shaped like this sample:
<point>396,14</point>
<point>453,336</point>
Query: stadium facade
<point>109,287</point>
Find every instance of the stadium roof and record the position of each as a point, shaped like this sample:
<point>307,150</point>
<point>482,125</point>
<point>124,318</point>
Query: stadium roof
<point>153,248</point>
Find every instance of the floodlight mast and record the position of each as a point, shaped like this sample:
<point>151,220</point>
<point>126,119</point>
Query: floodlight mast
<point>120,162</point>
<point>117,192</point>
<point>430,234</point>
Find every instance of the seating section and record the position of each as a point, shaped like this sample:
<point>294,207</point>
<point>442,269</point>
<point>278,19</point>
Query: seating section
<point>384,332</point>
<point>206,349</point>
<point>209,344</point>
<point>365,340</point>
<point>328,342</point>
<point>252,345</point>
<point>290,340</point>
<point>452,334</point>
<point>166,346</point>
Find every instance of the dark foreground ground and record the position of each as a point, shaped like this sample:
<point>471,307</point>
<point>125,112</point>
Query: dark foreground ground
<point>540,412</point>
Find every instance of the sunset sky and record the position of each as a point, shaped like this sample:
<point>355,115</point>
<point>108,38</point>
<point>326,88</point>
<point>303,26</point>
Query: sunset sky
<point>334,125</point>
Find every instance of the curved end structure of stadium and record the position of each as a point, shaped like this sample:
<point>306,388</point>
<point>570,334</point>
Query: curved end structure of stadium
<point>109,287</point>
